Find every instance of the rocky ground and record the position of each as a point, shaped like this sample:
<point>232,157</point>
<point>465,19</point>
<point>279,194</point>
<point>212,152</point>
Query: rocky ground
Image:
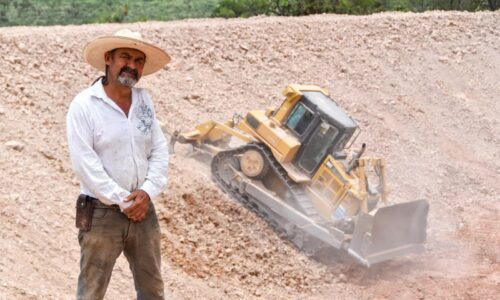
<point>423,87</point>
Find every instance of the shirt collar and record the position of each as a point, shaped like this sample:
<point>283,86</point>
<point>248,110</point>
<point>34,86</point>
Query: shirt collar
<point>97,90</point>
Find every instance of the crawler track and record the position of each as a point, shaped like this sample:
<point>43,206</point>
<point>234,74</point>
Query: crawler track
<point>223,168</point>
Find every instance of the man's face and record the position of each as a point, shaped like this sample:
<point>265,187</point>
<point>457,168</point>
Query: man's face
<point>125,66</point>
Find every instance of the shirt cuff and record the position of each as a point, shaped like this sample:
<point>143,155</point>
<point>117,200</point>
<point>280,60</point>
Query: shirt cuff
<point>150,189</point>
<point>124,205</point>
<point>122,195</point>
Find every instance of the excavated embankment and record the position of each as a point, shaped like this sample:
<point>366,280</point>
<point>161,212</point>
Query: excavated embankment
<point>424,88</point>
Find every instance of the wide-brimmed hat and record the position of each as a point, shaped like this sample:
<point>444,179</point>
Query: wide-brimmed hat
<point>94,51</point>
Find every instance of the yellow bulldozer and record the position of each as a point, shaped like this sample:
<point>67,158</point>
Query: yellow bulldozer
<point>291,167</point>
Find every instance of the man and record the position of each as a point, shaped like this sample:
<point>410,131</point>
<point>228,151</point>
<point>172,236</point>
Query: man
<point>120,156</point>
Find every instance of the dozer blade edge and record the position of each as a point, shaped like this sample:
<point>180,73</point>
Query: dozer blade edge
<point>393,231</point>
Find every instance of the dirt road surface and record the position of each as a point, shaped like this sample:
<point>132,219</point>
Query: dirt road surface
<point>424,88</point>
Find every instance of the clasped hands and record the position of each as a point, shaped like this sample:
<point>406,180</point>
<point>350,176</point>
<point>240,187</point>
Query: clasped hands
<point>138,210</point>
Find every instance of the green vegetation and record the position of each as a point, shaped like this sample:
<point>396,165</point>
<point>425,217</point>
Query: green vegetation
<point>51,12</point>
<point>244,8</point>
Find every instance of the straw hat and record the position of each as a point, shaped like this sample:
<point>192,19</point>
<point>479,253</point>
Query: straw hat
<point>94,51</point>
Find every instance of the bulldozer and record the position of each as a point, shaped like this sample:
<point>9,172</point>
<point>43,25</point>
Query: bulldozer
<point>294,167</point>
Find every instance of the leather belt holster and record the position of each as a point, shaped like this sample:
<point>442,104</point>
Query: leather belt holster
<point>84,211</point>
<point>85,206</point>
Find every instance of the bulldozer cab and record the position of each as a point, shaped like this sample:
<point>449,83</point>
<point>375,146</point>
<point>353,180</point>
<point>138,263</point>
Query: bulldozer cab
<point>320,126</point>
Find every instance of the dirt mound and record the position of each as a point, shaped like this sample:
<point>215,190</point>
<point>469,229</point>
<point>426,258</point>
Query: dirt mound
<point>423,87</point>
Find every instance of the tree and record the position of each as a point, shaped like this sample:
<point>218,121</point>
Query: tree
<point>241,8</point>
<point>493,4</point>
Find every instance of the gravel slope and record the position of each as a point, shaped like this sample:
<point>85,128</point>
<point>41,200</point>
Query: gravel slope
<point>424,88</point>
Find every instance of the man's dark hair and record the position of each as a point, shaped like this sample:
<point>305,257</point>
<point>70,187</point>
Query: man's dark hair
<point>105,76</point>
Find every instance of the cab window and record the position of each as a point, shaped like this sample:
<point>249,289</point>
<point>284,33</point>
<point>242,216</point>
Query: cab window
<point>316,149</point>
<point>299,119</point>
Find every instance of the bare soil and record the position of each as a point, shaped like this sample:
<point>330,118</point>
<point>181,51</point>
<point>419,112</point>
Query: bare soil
<point>424,88</point>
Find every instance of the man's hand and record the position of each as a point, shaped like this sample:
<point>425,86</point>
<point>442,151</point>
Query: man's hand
<point>137,212</point>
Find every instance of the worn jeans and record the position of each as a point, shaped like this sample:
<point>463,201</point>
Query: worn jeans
<point>111,233</point>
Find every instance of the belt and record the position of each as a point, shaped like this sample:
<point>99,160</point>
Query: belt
<point>99,204</point>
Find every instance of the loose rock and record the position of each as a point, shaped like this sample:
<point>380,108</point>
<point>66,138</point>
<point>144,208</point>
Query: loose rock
<point>15,145</point>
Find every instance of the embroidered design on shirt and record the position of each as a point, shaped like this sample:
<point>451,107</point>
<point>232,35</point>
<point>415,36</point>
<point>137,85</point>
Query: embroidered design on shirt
<point>145,116</point>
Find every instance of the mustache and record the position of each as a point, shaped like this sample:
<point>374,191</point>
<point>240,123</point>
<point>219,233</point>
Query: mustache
<point>129,70</point>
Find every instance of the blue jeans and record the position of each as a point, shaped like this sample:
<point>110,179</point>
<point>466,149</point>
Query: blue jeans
<point>111,234</point>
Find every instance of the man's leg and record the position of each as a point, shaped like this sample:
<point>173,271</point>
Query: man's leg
<point>142,249</point>
<point>99,249</point>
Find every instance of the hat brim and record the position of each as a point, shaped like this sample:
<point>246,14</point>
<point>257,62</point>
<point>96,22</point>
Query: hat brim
<point>94,51</point>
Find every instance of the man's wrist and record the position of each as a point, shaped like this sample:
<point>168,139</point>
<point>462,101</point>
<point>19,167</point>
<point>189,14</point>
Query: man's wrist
<point>147,194</point>
<point>149,188</point>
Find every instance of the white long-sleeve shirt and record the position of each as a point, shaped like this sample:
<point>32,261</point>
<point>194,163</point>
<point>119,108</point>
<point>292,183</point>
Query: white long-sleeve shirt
<point>113,154</point>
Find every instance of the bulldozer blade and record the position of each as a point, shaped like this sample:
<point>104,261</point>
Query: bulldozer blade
<point>393,231</point>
